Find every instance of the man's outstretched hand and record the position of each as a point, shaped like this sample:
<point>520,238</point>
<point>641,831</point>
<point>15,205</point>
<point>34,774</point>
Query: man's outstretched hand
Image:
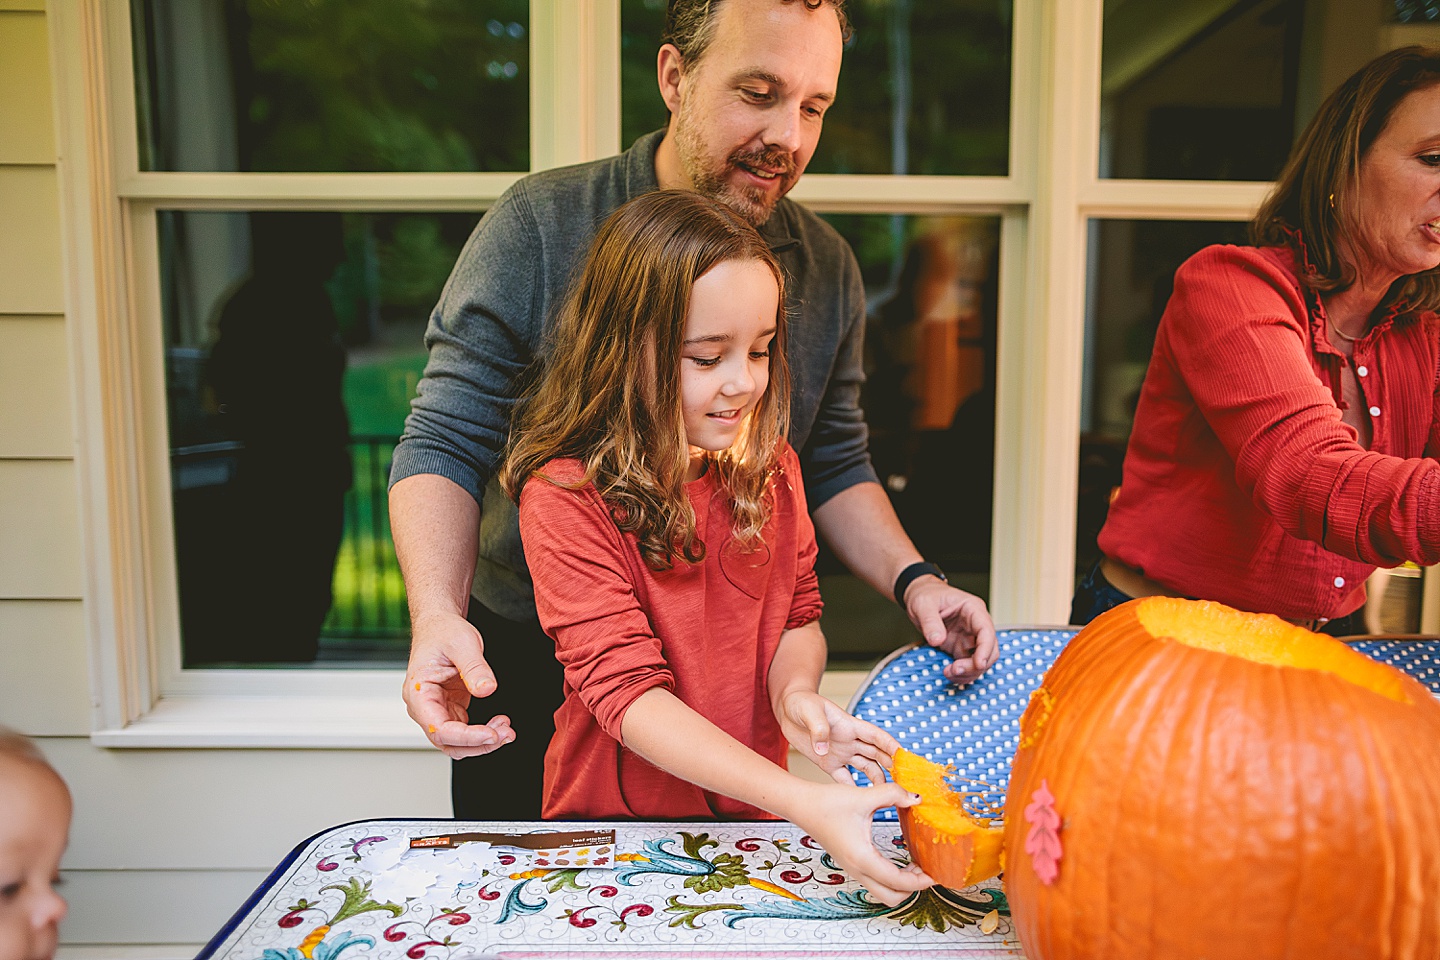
<point>447,668</point>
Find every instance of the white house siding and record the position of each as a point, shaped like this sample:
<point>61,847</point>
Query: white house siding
<point>166,843</point>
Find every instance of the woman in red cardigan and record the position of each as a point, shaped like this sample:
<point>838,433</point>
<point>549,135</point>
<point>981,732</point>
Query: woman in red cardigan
<point>1285,436</point>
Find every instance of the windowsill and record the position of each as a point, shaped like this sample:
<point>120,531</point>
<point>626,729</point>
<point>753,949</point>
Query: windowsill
<point>312,711</point>
<point>270,709</point>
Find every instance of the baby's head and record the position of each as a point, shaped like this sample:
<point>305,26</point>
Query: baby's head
<point>34,828</point>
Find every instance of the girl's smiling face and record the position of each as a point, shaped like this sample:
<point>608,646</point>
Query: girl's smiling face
<point>725,356</point>
<point>34,829</point>
<point>1395,212</point>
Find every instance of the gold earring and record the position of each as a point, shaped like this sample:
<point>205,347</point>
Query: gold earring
<point>1332,201</point>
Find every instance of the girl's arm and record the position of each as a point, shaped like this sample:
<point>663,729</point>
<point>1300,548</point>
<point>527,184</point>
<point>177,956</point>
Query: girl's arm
<point>664,731</point>
<point>826,735</point>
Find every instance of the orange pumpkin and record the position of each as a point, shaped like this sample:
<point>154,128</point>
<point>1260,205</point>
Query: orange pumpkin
<point>954,848</point>
<point>1193,781</point>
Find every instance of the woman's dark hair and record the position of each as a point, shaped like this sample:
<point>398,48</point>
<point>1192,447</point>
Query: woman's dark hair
<point>1316,190</point>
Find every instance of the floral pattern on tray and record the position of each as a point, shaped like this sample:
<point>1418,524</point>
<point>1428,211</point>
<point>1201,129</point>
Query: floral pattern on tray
<point>682,889</point>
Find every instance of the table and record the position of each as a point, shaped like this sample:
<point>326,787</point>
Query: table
<point>708,890</point>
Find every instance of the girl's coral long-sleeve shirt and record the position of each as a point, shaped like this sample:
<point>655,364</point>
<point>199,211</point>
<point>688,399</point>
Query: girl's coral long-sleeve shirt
<point>707,632</point>
<point>1241,482</point>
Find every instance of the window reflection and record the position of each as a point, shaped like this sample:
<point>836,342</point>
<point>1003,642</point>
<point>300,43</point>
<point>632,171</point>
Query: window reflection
<point>1132,272</point>
<point>929,399</point>
<point>332,85</point>
<point>925,87</point>
<point>293,344</point>
<point>1220,89</point>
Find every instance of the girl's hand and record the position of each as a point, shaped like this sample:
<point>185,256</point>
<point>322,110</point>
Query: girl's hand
<point>832,739</point>
<point>839,818</point>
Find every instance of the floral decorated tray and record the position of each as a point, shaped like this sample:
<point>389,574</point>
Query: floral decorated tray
<point>361,892</point>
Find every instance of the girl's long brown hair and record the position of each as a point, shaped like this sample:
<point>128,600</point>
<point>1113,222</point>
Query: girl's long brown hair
<point>608,394</point>
<point>1316,190</point>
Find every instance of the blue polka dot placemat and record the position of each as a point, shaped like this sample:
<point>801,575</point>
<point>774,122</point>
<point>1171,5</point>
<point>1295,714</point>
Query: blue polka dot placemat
<point>1419,657</point>
<point>977,728</point>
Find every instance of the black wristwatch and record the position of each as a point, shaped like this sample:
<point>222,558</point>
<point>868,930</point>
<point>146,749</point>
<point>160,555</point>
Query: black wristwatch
<point>911,573</point>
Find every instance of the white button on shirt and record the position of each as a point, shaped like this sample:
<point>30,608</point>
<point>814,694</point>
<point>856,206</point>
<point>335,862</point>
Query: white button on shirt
<point>1339,582</point>
<point>1362,371</point>
<point>1374,411</point>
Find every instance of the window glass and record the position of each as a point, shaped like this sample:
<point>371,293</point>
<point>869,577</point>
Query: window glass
<point>930,287</point>
<point>925,87</point>
<point>332,85</point>
<point>1132,272</point>
<point>1220,89</point>
<point>293,342</point>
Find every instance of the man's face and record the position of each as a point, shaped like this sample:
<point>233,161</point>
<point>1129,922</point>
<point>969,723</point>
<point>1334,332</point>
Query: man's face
<point>749,113</point>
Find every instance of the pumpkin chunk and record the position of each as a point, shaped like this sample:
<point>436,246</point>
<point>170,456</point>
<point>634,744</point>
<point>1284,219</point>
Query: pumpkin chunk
<point>955,848</point>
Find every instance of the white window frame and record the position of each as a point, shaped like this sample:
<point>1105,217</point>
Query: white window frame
<point>142,696</point>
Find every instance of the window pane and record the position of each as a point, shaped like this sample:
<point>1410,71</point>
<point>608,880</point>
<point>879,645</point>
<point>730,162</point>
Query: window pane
<point>293,342</point>
<point>1132,272</point>
<point>332,85</point>
<point>930,284</point>
<point>925,87</point>
<point>1219,89</point>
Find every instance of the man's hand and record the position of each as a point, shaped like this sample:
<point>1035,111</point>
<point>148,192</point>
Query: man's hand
<point>447,667</point>
<point>955,622</point>
<point>839,819</point>
<point>831,739</point>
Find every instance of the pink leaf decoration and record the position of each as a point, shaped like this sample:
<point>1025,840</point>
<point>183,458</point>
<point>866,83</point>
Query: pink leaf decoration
<point>1042,842</point>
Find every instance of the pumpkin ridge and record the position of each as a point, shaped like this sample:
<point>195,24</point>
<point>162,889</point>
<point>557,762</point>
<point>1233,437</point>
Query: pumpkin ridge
<point>1385,811</point>
<point>1406,816</point>
<point>1172,719</point>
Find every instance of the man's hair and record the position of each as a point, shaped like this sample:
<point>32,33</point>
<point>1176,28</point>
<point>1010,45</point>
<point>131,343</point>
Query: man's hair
<point>1317,190</point>
<point>690,25</point>
<point>609,396</point>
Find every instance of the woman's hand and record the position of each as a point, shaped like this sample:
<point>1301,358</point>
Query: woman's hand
<point>839,818</point>
<point>831,739</point>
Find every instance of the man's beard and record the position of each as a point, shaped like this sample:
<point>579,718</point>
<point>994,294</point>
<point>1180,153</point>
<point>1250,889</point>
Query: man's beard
<point>752,203</point>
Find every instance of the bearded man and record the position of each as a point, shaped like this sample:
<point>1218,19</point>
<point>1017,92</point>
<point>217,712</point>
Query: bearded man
<point>747,83</point>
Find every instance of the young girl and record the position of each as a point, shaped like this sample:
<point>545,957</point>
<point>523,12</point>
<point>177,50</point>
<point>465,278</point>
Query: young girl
<point>665,528</point>
<point>34,828</point>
